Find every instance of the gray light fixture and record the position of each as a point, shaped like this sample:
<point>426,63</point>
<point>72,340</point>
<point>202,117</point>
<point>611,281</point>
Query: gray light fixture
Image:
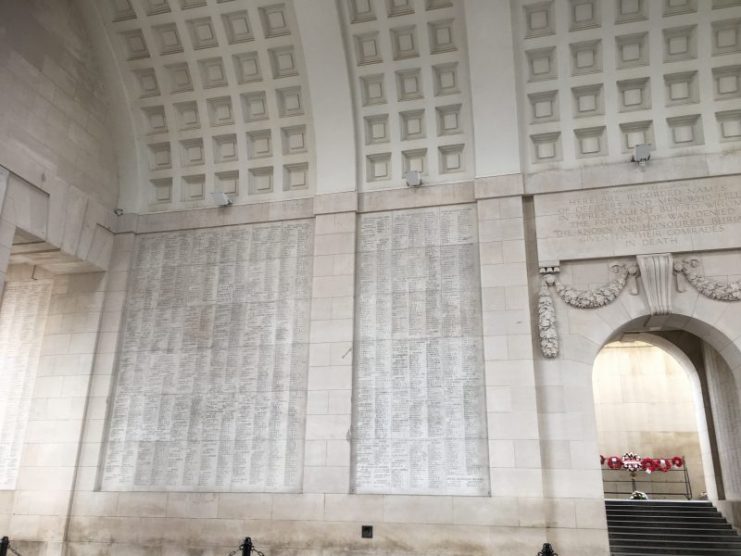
<point>221,198</point>
<point>641,154</point>
<point>413,178</point>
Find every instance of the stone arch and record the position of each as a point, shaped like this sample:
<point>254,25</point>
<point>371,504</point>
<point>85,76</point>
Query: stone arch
<point>567,421</point>
<point>694,371</point>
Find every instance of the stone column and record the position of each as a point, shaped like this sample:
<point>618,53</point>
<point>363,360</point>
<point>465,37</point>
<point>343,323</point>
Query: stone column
<point>7,230</point>
<point>514,436</point>
<point>48,466</point>
<point>328,419</point>
<point>103,374</point>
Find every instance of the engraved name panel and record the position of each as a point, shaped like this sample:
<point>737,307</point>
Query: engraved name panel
<point>663,217</point>
<point>419,416</point>
<point>211,384</point>
<point>22,320</point>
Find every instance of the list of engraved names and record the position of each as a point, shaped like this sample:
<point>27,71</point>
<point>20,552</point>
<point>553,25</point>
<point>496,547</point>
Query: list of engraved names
<point>22,320</point>
<point>419,420</point>
<point>211,384</point>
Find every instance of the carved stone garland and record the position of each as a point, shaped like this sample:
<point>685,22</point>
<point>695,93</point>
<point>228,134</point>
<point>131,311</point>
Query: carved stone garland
<point>580,299</point>
<point>547,321</point>
<point>604,295</point>
<point>713,289</point>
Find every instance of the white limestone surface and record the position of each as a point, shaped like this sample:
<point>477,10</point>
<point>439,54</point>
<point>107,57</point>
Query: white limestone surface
<point>642,219</point>
<point>22,319</point>
<point>211,386</point>
<point>419,409</point>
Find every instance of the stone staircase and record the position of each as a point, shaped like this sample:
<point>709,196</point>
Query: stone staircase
<point>644,527</point>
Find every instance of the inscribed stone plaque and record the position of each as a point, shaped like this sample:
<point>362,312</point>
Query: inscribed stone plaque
<point>419,416</point>
<point>211,385</point>
<point>22,320</point>
<point>663,217</point>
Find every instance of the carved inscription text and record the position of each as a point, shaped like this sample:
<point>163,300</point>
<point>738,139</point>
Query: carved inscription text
<point>638,219</point>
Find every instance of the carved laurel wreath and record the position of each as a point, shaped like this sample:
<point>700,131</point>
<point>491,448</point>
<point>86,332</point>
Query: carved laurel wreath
<point>580,299</point>
<point>547,323</point>
<point>606,294</point>
<point>713,289</point>
<point>595,298</point>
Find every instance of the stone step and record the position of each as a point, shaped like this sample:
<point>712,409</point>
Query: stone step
<point>673,532</point>
<point>678,515</point>
<point>624,502</point>
<point>676,551</point>
<point>654,539</point>
<point>667,510</point>
<point>667,518</point>
<point>664,511</point>
<point>698,509</point>
<point>643,528</point>
<point>684,506</point>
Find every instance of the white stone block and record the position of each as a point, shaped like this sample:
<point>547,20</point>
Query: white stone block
<point>418,509</point>
<point>516,482</point>
<point>75,386</point>
<point>94,503</point>
<point>142,504</point>
<point>45,478</point>
<point>513,425</point>
<point>321,309</point>
<point>327,427</point>
<point>38,502</point>
<point>340,353</point>
<point>315,453</point>
<point>323,331</point>
<point>334,244</point>
<point>485,511</point>
<point>327,479</point>
<point>317,401</point>
<point>343,507</point>
<point>333,286</point>
<point>192,505</point>
<point>338,452</point>
<point>501,453</point>
<point>340,401</point>
<point>244,506</point>
<point>298,507</point>
<point>527,454</point>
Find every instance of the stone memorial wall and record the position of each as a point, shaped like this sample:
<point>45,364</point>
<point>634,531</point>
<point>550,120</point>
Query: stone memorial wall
<point>419,421</point>
<point>22,320</point>
<point>211,387</point>
<point>665,217</point>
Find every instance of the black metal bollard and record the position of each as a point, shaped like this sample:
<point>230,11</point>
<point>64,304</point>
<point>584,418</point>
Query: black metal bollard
<point>246,547</point>
<point>4,545</point>
<point>547,550</point>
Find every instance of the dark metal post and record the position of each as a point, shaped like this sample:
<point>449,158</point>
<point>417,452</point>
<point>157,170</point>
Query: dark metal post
<point>246,547</point>
<point>687,484</point>
<point>547,550</point>
<point>4,545</point>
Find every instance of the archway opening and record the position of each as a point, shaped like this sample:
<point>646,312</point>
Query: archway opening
<point>648,402</point>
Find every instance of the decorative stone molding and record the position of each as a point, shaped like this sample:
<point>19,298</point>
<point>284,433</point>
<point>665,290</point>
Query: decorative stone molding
<point>580,299</point>
<point>547,333</point>
<point>713,289</point>
<point>656,276</point>
<point>552,267</point>
<point>597,297</point>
